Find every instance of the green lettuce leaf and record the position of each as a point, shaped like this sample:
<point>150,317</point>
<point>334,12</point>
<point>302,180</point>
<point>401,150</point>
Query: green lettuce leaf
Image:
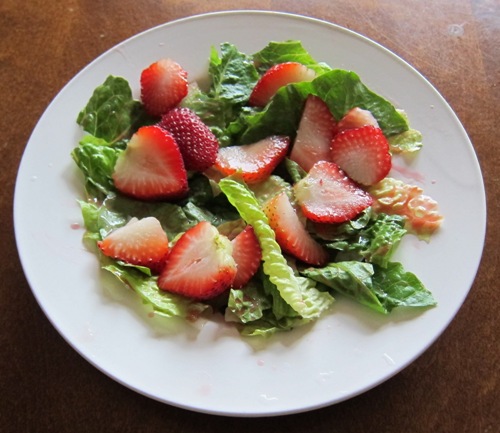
<point>233,76</point>
<point>287,51</point>
<point>294,170</point>
<point>111,112</point>
<point>406,142</point>
<point>248,304</point>
<point>375,242</point>
<point>350,278</point>
<point>396,287</point>
<point>252,309</point>
<point>163,303</point>
<point>341,90</point>
<point>274,263</point>
<point>381,289</point>
<point>96,158</point>
<point>100,221</point>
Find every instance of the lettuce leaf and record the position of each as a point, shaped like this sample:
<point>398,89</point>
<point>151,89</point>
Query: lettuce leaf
<point>163,303</point>
<point>341,90</point>
<point>381,289</point>
<point>252,308</point>
<point>286,51</point>
<point>395,287</point>
<point>233,76</point>
<point>248,304</point>
<point>111,112</point>
<point>406,142</point>
<point>308,303</point>
<point>375,242</point>
<point>96,158</point>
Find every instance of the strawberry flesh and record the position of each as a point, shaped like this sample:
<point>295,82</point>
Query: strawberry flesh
<point>327,195</point>
<point>247,254</point>
<point>163,85</point>
<point>139,242</point>
<point>151,167</point>
<point>317,128</point>
<point>291,233</point>
<point>254,162</point>
<point>200,265</point>
<point>363,153</point>
<point>276,77</point>
<point>355,118</point>
<point>196,141</point>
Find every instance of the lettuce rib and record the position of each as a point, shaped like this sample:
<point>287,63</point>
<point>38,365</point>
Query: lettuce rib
<point>274,263</point>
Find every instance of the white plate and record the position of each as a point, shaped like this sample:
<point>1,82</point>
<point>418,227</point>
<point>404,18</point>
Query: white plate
<point>209,368</point>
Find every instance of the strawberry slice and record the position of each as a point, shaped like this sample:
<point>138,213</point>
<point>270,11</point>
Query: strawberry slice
<point>255,162</point>
<point>327,195</point>
<point>291,234</point>
<point>200,264</point>
<point>356,118</point>
<point>151,166</point>
<point>363,153</point>
<point>276,77</point>
<point>163,85</point>
<point>247,254</point>
<point>317,128</point>
<point>196,141</point>
<point>140,242</point>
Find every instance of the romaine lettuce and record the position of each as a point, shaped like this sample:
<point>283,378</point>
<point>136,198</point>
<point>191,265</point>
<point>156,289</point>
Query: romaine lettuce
<point>307,302</point>
<point>380,289</point>
<point>111,113</point>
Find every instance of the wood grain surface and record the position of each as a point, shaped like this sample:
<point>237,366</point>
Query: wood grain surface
<point>45,386</point>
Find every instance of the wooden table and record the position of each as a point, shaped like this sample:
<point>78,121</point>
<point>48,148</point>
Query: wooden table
<point>46,386</point>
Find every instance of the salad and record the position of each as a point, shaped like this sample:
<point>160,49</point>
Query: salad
<point>262,197</point>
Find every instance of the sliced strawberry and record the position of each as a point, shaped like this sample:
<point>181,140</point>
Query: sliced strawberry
<point>247,254</point>
<point>139,242</point>
<point>327,195</point>
<point>363,153</point>
<point>291,234</point>
<point>356,118</point>
<point>317,128</point>
<point>276,77</point>
<point>200,264</point>
<point>151,166</point>
<point>196,141</point>
<point>256,161</point>
<point>163,85</point>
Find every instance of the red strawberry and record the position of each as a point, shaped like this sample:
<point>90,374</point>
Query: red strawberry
<point>151,166</point>
<point>196,141</point>
<point>163,85</point>
<point>317,127</point>
<point>276,77</point>
<point>291,234</point>
<point>200,264</point>
<point>363,153</point>
<point>247,254</point>
<point>327,195</point>
<point>355,118</point>
<point>139,242</point>
<point>256,161</point>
